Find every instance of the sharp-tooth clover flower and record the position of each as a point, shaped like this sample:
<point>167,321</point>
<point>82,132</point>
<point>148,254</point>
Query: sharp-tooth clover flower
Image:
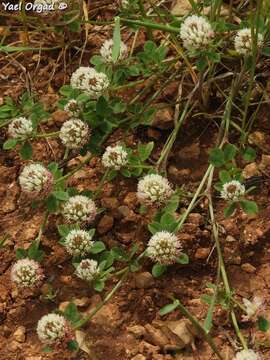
<point>79,209</point>
<point>164,248</point>
<point>54,328</point>
<point>154,189</point>
<point>20,128</point>
<point>74,133</point>
<point>107,49</point>
<point>87,270</point>
<point>72,107</point>
<point>232,190</point>
<point>90,81</point>
<point>26,273</point>
<point>243,41</point>
<point>78,242</point>
<point>114,157</point>
<point>252,308</point>
<point>247,355</point>
<point>36,181</point>
<point>196,33</point>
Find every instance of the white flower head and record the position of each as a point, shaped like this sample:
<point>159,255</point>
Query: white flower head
<point>78,242</point>
<point>79,209</point>
<point>154,189</point>
<point>26,273</point>
<point>74,133</point>
<point>88,80</point>
<point>247,355</point>
<point>36,181</point>
<point>72,107</point>
<point>53,328</point>
<point>243,41</point>
<point>232,190</point>
<point>107,49</point>
<point>252,308</point>
<point>115,157</point>
<point>164,247</point>
<point>124,3</point>
<point>196,33</point>
<point>87,270</point>
<point>20,128</point>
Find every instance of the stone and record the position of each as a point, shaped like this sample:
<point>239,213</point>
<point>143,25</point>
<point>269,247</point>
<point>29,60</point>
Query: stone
<point>108,317</point>
<point>247,267</point>
<point>202,253</point>
<point>195,218</point>
<point>110,203</point>
<point>144,280</point>
<point>60,116</point>
<point>19,334</point>
<point>105,224</point>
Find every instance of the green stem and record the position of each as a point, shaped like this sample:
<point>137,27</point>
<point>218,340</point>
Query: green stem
<point>102,181</point>
<point>200,329</point>
<point>87,318</point>
<point>42,227</point>
<point>151,25</point>
<point>77,168</point>
<point>46,135</point>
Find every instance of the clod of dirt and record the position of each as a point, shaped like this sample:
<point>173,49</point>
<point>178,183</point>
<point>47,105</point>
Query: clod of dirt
<point>19,334</point>
<point>265,164</point>
<point>144,280</point>
<point>110,203</point>
<point>139,357</point>
<point>163,118</point>
<point>59,117</point>
<point>190,152</point>
<point>251,170</point>
<point>137,330</point>
<point>250,269</point>
<point>105,224</point>
<point>108,317</point>
<point>202,253</point>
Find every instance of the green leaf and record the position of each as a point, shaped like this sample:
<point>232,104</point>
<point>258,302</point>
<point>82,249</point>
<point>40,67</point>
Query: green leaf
<point>98,247</point>
<point>63,230</point>
<point>73,345</point>
<point>168,222</point>
<point>201,63</point>
<point>207,299</point>
<point>249,154</point>
<point>229,210</point>
<point>102,107</point>
<point>183,259</point>
<point>169,308</point>
<point>266,51</point>
<point>99,285</point>
<point>10,144</point>
<point>230,151</point>
<point>21,254</point>
<point>61,195</point>
<point>116,39</point>
<point>154,227</point>
<point>158,270</point>
<point>224,176</point>
<point>172,204</point>
<point>52,204</point>
<point>145,150</point>
<point>26,151</point>
<point>249,207</point>
<point>263,324</point>
<point>34,252</point>
<point>217,157</point>
<point>46,349</point>
<point>71,313</point>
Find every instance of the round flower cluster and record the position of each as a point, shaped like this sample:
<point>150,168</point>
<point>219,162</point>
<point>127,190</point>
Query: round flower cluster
<point>36,181</point>
<point>74,133</point>
<point>79,209</point>
<point>107,49</point>
<point>247,355</point>
<point>243,41</point>
<point>90,81</point>
<point>26,273</point>
<point>20,128</point>
<point>164,247</point>
<point>53,328</point>
<point>87,270</point>
<point>196,33</point>
<point>154,190</point>
<point>78,242</point>
<point>232,190</point>
<point>114,157</point>
<point>72,108</point>
<point>252,307</point>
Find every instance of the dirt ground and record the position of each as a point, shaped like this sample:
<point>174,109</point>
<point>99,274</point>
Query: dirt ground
<point>129,326</point>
